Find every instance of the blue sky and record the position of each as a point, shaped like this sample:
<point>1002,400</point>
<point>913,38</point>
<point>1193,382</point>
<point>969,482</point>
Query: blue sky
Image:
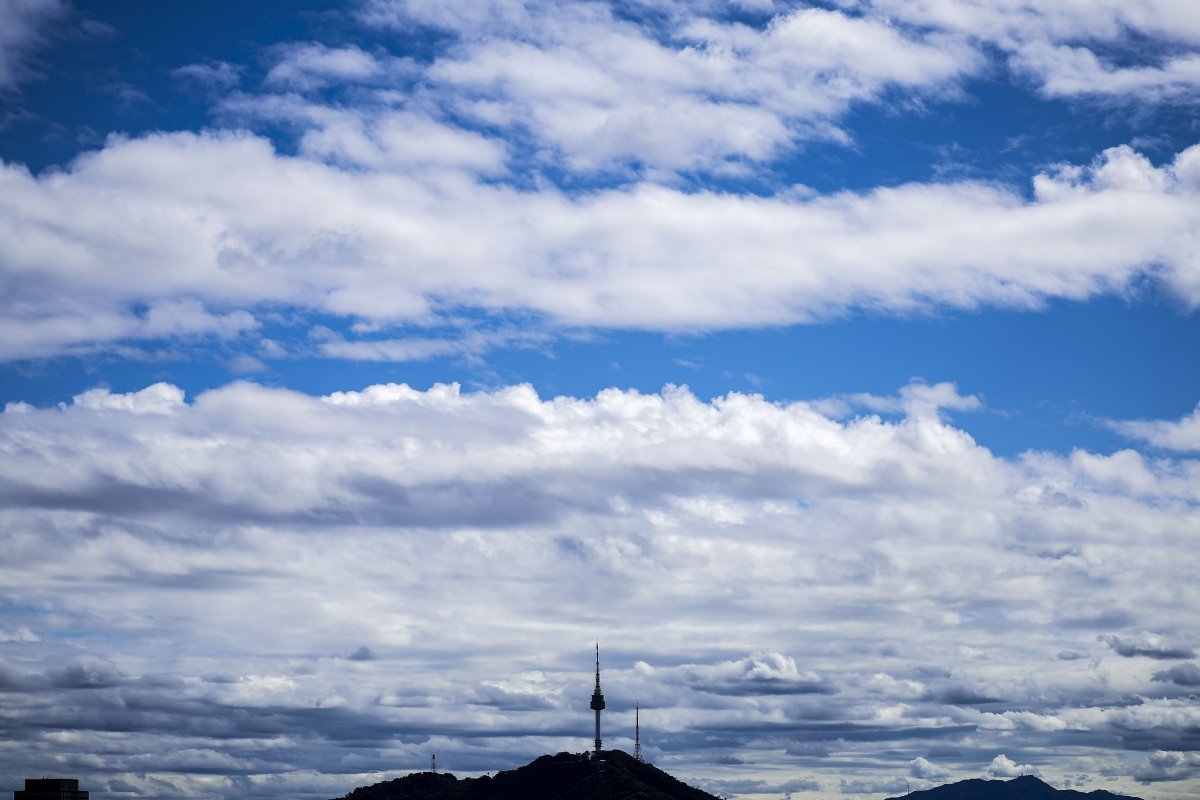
<point>455,335</point>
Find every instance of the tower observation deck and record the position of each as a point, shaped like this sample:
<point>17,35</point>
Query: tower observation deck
<point>597,701</point>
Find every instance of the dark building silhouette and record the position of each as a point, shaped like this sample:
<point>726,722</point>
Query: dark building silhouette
<point>50,789</point>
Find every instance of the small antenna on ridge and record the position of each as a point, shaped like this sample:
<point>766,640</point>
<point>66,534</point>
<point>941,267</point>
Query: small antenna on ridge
<point>637,731</point>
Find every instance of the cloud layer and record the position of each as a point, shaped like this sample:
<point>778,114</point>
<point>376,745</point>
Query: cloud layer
<point>297,591</point>
<point>200,235</point>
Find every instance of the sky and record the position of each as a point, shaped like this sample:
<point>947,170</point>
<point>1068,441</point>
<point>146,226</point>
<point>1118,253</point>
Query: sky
<point>832,364</point>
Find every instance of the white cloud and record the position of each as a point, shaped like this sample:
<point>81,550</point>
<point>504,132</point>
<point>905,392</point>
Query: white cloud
<point>670,87</point>
<point>457,15</point>
<point>161,398</point>
<point>1010,21</point>
<point>245,364</point>
<point>922,767</point>
<point>374,137</point>
<point>243,227</point>
<point>1060,45</point>
<point>784,578</point>
<point>1182,435</point>
<point>917,398</point>
<point>1004,767</point>
<point>19,634</point>
<point>313,65</point>
<point>604,92</point>
<point>1072,71</point>
<point>217,76</point>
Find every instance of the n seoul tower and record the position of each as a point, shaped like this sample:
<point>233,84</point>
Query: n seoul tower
<point>597,702</point>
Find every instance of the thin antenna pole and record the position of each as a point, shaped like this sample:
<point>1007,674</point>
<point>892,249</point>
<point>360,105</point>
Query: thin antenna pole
<point>433,763</point>
<point>637,730</point>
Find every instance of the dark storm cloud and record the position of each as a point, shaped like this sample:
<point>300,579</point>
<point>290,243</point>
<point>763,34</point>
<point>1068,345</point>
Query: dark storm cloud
<point>1148,646</point>
<point>958,694</point>
<point>849,731</point>
<point>1105,620</point>
<point>512,700</point>
<point>86,674</point>
<point>1167,766</point>
<point>12,679</point>
<point>763,674</point>
<point>768,686</point>
<point>1180,675</point>
<point>79,673</point>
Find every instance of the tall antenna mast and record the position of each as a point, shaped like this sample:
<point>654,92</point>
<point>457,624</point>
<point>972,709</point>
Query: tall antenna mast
<point>637,731</point>
<point>433,763</point>
<point>597,702</point>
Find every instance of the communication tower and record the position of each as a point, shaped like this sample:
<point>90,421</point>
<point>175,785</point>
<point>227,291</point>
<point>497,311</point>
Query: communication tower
<point>637,731</point>
<point>597,702</point>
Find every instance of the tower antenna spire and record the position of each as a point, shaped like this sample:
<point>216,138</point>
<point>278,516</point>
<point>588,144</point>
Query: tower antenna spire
<point>637,730</point>
<point>597,702</point>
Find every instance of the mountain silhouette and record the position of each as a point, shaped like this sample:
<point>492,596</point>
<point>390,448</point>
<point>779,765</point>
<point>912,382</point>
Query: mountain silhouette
<point>566,776</point>
<point>1025,787</point>
<point>573,776</point>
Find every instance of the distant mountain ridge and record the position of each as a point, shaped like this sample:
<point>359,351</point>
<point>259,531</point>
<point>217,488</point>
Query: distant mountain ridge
<point>1025,787</point>
<point>573,776</point>
<point>566,776</point>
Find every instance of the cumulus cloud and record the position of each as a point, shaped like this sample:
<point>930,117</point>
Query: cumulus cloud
<point>925,769</point>
<point>1182,435</point>
<point>363,653</point>
<point>161,398</point>
<point>759,674</point>
<point>763,577</point>
<point>1167,766</point>
<point>917,397</point>
<point>704,87</point>
<point>1071,71</point>
<point>1068,48</point>
<point>603,90</point>
<point>1004,767</point>
<point>246,229</point>
<point>378,138</point>
<point>313,65</point>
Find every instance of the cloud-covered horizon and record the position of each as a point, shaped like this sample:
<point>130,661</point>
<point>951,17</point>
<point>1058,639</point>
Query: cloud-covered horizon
<point>258,579</point>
